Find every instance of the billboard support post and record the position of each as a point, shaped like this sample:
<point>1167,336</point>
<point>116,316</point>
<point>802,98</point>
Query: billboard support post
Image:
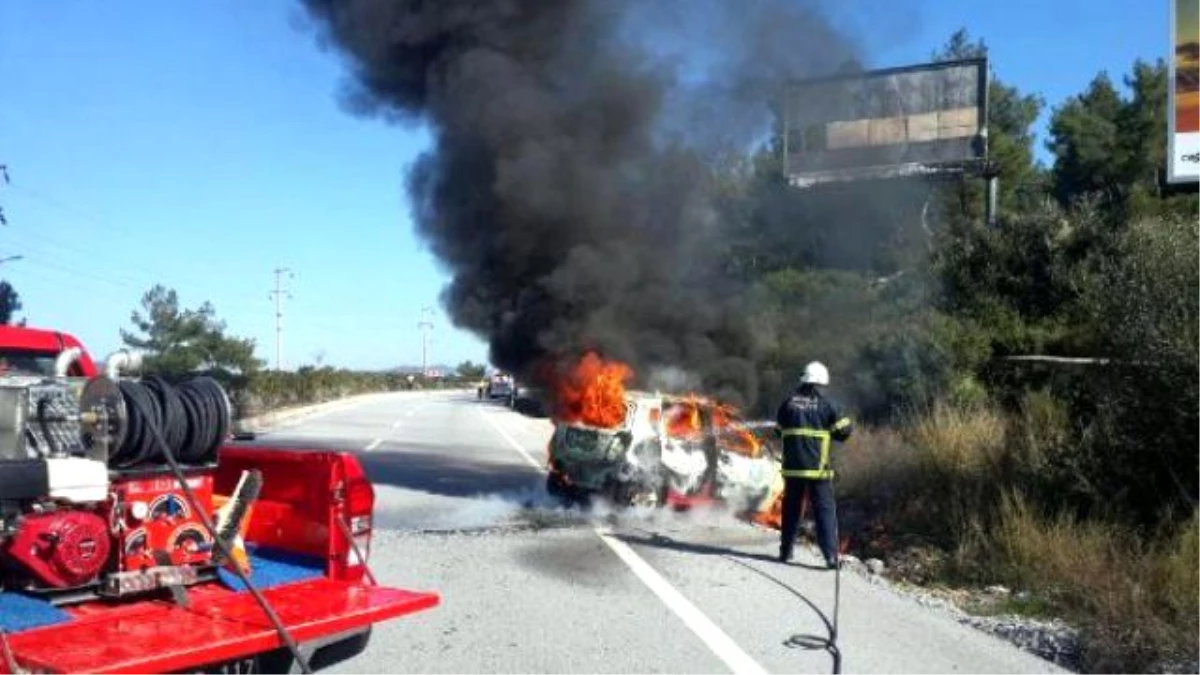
<point>993,198</point>
<point>991,171</point>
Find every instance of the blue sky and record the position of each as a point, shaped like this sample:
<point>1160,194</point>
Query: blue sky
<point>201,145</point>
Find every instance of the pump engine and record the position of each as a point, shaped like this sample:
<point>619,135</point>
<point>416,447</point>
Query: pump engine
<point>88,503</point>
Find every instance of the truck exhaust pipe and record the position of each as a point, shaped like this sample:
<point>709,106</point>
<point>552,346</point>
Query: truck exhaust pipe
<point>121,360</point>
<point>66,357</point>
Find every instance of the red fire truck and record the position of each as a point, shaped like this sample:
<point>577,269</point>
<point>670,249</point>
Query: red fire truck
<point>135,538</point>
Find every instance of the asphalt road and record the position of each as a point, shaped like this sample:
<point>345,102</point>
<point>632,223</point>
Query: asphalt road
<point>527,587</point>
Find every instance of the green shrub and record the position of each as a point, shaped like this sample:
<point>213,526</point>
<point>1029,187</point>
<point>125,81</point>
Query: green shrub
<point>271,389</point>
<point>1144,306</point>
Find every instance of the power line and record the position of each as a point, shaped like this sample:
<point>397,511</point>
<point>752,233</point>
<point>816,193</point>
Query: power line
<point>180,267</point>
<point>93,276</point>
<point>45,253</point>
<point>22,235</point>
<point>63,206</point>
<point>184,267</point>
<point>278,295</point>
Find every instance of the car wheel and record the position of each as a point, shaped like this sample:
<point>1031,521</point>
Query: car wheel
<point>555,486</point>
<point>568,495</point>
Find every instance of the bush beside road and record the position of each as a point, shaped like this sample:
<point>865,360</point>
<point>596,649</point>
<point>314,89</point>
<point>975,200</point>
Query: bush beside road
<point>950,500</point>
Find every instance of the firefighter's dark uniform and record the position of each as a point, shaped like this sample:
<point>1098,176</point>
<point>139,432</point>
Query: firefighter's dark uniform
<point>808,421</point>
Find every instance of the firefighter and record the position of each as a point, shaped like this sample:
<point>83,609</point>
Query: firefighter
<point>808,421</point>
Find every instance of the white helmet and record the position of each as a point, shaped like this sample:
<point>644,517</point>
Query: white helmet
<point>815,373</point>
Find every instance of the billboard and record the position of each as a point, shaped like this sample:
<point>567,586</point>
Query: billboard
<point>1183,106</point>
<point>927,118</point>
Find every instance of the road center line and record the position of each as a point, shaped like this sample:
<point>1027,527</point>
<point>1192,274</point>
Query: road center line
<point>374,444</point>
<point>710,633</point>
<point>404,418</point>
<point>511,441</point>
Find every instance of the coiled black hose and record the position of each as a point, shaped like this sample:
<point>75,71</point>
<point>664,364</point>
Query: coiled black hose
<point>193,417</point>
<point>169,403</point>
<point>210,423</point>
<point>143,409</point>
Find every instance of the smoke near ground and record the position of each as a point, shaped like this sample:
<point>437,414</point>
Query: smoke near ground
<point>570,186</point>
<point>534,508</point>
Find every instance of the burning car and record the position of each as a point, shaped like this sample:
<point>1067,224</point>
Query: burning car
<point>620,461</point>
<point>642,448</point>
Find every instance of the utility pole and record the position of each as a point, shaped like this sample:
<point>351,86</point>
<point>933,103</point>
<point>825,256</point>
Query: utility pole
<point>4,178</point>
<point>278,295</point>
<point>425,325</point>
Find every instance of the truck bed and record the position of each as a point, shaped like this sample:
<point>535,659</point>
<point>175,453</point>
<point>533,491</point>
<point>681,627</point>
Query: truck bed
<point>157,636</point>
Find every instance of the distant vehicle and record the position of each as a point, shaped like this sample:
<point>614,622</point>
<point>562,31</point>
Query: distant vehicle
<point>667,450</point>
<point>530,399</point>
<point>499,385</point>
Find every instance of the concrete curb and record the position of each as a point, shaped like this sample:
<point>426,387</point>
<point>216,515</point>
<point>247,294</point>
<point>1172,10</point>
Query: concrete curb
<point>268,420</point>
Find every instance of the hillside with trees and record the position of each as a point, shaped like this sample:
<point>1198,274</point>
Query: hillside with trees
<point>1030,387</point>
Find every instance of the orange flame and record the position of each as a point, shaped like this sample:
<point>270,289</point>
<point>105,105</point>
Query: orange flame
<point>772,515</point>
<point>683,418</point>
<point>593,392</point>
<point>684,421</point>
<point>735,436</point>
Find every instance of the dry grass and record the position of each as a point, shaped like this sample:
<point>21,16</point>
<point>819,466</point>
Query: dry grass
<point>929,479</point>
<point>871,463</point>
<point>1033,549</point>
<point>957,442</point>
<point>1137,601</point>
<point>953,478</point>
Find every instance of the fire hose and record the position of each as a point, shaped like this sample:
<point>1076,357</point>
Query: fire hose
<point>828,643</point>
<point>808,641</point>
<point>804,641</point>
<point>209,412</point>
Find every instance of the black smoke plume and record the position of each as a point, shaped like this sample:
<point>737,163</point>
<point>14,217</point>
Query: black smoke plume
<point>570,186</point>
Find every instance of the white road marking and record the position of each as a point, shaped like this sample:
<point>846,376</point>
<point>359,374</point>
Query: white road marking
<point>516,446</point>
<point>710,633</point>
<point>374,444</point>
<point>408,413</point>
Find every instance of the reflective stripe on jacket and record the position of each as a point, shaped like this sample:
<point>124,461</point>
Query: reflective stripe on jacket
<point>808,421</point>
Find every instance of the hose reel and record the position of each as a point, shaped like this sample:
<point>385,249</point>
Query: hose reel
<point>194,417</point>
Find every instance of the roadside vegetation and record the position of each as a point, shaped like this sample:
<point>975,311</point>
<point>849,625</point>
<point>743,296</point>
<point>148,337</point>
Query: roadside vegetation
<point>179,341</point>
<point>1071,476</point>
